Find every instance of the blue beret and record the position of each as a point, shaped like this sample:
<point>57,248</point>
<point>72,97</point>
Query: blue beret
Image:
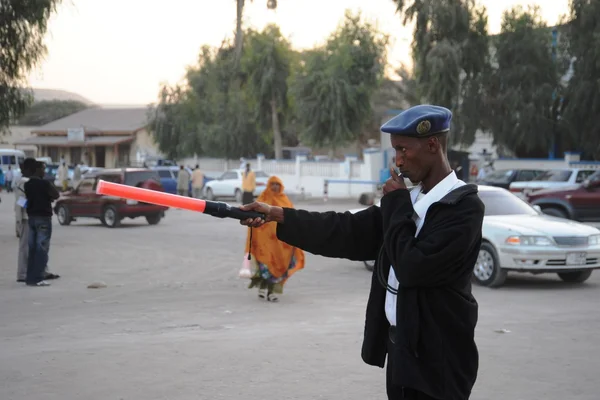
<point>419,121</point>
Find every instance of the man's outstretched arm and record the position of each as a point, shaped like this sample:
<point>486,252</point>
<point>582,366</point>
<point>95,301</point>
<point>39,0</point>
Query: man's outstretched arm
<point>330,234</point>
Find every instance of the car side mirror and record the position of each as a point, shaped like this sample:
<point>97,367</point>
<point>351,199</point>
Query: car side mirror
<point>538,209</point>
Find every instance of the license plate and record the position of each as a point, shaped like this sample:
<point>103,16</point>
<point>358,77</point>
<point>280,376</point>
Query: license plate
<point>576,258</point>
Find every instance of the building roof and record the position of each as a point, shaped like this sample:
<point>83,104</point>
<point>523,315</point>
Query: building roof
<point>99,120</point>
<point>63,141</point>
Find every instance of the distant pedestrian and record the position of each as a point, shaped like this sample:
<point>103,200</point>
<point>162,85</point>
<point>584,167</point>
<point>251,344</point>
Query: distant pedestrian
<point>40,194</point>
<point>197,182</point>
<point>63,176</point>
<point>248,185</point>
<point>77,174</point>
<point>183,181</point>
<point>22,223</point>
<point>9,179</point>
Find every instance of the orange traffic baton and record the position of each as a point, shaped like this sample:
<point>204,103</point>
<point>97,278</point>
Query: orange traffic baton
<point>214,208</point>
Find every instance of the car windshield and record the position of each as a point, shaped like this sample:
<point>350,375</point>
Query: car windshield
<point>260,174</point>
<point>137,177</point>
<point>501,202</point>
<point>557,175</point>
<point>499,176</point>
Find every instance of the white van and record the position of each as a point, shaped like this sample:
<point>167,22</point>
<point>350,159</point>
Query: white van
<point>14,158</point>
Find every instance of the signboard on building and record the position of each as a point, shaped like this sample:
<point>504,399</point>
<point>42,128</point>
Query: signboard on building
<point>75,135</point>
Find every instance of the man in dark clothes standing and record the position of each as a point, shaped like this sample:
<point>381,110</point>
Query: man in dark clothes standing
<point>421,313</point>
<point>40,194</point>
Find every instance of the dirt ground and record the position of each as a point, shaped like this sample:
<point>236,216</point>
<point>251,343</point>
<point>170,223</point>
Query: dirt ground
<point>176,323</point>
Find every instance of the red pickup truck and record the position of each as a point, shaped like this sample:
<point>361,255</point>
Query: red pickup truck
<point>579,202</point>
<point>84,202</point>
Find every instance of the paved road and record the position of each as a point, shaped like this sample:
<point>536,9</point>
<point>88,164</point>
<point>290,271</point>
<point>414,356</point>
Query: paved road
<point>175,323</point>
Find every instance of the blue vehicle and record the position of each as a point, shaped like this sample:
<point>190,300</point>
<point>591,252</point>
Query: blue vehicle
<point>168,178</point>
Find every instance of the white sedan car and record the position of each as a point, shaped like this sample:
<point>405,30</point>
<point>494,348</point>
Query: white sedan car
<point>230,185</point>
<point>519,238</point>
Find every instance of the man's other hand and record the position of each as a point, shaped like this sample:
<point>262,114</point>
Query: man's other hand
<point>394,182</point>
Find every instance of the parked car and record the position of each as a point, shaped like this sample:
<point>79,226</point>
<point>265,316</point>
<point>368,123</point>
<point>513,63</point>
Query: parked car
<point>551,179</point>
<point>168,178</point>
<point>504,177</point>
<point>84,202</point>
<point>580,202</point>
<point>230,185</point>
<point>518,237</point>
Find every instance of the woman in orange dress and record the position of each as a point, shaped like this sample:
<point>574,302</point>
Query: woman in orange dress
<point>274,261</point>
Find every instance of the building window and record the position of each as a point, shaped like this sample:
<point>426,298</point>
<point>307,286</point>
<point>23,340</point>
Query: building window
<point>53,153</point>
<point>124,150</point>
<point>75,155</point>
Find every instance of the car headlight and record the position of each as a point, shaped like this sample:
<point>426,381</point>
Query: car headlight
<point>594,240</point>
<point>529,241</point>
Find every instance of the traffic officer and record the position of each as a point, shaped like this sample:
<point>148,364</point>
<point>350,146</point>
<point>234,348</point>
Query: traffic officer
<point>421,314</point>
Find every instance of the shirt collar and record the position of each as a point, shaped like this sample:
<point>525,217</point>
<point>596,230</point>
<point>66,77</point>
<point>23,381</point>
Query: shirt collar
<point>435,194</point>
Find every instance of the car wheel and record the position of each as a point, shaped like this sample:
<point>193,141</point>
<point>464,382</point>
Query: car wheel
<point>238,195</point>
<point>555,212</point>
<point>110,217</point>
<point>63,215</point>
<point>370,265</point>
<point>153,219</point>
<point>209,194</point>
<point>576,276</point>
<point>487,271</point>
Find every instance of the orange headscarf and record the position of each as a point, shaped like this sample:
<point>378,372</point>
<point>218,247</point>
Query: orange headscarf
<point>266,248</point>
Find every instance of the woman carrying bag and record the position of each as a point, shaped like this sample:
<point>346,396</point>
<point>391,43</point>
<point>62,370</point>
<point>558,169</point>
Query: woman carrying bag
<point>269,263</point>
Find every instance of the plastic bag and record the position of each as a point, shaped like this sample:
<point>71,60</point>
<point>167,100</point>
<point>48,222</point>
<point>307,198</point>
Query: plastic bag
<point>248,268</point>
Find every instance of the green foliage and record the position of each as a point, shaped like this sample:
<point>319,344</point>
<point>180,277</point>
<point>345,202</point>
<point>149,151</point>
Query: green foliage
<point>521,86</point>
<point>230,109</point>
<point>23,25</point>
<point>582,105</point>
<point>266,65</point>
<point>211,114</point>
<point>333,89</point>
<point>43,112</point>
<point>451,57</point>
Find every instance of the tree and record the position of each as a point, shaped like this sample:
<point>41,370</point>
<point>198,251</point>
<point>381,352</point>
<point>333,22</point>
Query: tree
<point>171,124</point>
<point>522,84</point>
<point>450,54</point>
<point>239,32</point>
<point>23,25</point>
<point>266,64</point>
<point>582,104</point>
<point>46,111</point>
<point>334,88</point>
<point>210,113</point>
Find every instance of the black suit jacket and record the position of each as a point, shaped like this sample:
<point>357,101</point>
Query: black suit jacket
<point>436,312</point>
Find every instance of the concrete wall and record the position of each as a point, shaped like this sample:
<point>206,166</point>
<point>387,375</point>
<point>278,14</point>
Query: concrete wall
<point>348,178</point>
<point>143,146</point>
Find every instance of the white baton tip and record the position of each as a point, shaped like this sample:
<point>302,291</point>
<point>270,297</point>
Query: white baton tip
<point>100,187</point>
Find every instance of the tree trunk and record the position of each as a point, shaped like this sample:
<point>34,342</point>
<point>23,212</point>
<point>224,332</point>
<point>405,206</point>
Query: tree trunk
<point>276,131</point>
<point>238,30</point>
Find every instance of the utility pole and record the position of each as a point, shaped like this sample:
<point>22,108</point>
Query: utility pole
<point>552,150</point>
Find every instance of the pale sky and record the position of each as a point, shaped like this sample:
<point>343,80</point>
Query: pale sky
<point>119,51</point>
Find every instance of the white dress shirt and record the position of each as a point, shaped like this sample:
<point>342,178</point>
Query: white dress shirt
<point>421,203</point>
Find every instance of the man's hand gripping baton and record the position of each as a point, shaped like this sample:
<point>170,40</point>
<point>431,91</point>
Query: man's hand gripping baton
<point>214,208</point>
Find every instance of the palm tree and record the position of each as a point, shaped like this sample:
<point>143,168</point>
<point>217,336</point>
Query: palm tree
<point>267,65</point>
<point>239,33</point>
